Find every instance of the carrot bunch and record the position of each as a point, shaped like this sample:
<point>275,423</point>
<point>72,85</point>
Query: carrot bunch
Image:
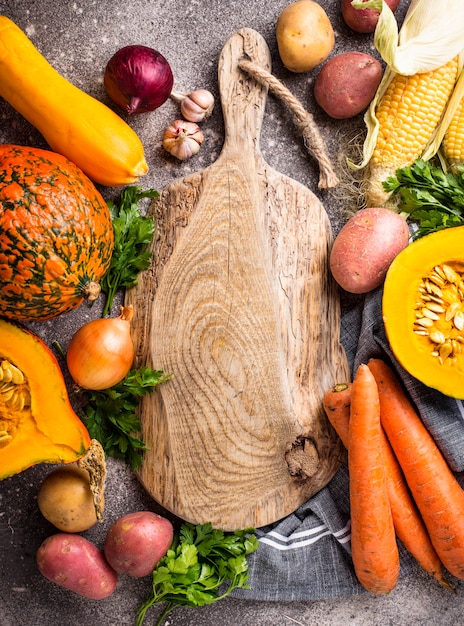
<point>400,484</point>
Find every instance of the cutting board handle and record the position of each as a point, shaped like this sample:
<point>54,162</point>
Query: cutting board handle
<point>243,99</point>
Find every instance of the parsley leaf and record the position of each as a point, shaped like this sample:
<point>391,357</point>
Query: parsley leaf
<point>110,414</point>
<point>431,197</point>
<point>132,234</point>
<point>202,566</point>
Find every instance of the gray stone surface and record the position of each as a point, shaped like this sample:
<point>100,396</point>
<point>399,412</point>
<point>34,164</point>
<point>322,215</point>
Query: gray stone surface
<point>78,38</point>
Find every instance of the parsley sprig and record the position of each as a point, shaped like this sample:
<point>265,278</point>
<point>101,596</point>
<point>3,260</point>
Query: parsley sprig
<point>202,566</point>
<point>431,197</point>
<point>110,415</point>
<point>132,234</point>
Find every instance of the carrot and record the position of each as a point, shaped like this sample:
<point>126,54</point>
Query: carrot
<point>407,521</point>
<point>434,487</point>
<point>373,541</point>
<point>336,402</point>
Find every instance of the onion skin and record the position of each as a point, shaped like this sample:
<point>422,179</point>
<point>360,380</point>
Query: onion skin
<point>138,79</point>
<point>101,352</point>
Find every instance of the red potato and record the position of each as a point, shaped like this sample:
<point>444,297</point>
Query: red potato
<point>347,83</point>
<point>363,20</point>
<point>365,247</point>
<point>73,562</point>
<point>137,541</point>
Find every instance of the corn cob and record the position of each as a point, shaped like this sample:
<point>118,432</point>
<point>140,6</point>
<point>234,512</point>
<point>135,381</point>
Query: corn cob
<point>453,141</point>
<point>408,115</point>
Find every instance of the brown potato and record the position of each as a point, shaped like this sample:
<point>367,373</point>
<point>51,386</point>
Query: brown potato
<point>365,247</point>
<point>305,36</point>
<point>65,499</point>
<point>363,20</point>
<point>73,562</point>
<point>347,83</point>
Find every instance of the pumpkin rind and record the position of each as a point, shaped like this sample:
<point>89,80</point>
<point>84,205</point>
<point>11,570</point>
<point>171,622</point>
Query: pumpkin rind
<point>46,430</point>
<point>416,289</point>
<point>56,234</point>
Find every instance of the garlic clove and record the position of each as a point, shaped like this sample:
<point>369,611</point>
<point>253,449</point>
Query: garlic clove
<point>195,106</point>
<point>182,139</point>
<point>198,105</point>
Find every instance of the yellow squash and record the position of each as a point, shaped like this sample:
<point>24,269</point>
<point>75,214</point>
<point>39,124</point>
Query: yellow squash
<point>37,422</point>
<point>73,123</point>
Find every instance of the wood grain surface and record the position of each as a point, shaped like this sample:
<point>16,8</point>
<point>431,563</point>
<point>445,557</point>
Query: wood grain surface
<point>240,307</point>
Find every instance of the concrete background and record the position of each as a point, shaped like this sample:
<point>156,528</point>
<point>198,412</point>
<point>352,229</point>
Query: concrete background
<point>78,38</point>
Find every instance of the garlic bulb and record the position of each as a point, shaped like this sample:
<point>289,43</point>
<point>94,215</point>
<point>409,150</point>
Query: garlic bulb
<point>195,106</point>
<point>182,139</point>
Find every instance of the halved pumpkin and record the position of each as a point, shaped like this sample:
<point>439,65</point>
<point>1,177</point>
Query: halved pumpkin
<point>37,422</point>
<point>423,310</point>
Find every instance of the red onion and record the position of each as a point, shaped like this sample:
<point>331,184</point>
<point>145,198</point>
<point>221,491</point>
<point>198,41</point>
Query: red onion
<point>138,79</point>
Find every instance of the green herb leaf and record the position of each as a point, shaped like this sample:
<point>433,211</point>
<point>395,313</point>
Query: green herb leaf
<point>431,197</point>
<point>110,415</point>
<point>133,232</point>
<point>202,566</point>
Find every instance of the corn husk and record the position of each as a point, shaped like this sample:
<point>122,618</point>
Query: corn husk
<point>431,35</point>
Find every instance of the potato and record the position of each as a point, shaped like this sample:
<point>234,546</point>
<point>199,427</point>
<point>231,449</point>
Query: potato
<point>347,83</point>
<point>363,20</point>
<point>365,247</point>
<point>73,562</point>
<point>305,36</point>
<point>65,499</point>
<point>137,541</point>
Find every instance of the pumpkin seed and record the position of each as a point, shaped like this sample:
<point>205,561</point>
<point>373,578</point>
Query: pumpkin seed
<point>13,389</point>
<point>425,321</point>
<point>5,438</point>
<point>434,306</point>
<point>451,311</point>
<point>433,289</point>
<point>458,320</point>
<point>439,270</point>
<point>451,275</point>
<point>457,347</point>
<point>7,395</point>
<point>441,296</point>
<point>437,336</point>
<point>10,373</point>
<point>426,312</point>
<point>7,374</point>
<point>437,280</point>
<point>446,349</point>
<point>20,400</point>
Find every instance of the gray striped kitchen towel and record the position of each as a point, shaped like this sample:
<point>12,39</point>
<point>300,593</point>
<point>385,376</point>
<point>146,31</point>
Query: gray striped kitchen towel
<point>306,556</point>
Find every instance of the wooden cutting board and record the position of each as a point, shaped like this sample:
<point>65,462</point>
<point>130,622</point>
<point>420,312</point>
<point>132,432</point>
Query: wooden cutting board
<point>240,307</point>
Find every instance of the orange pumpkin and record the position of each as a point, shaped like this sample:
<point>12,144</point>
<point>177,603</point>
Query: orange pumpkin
<point>56,235</point>
<point>37,422</point>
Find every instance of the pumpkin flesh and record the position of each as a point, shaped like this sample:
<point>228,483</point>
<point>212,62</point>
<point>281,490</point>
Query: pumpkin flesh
<point>37,422</point>
<point>56,235</point>
<point>423,310</point>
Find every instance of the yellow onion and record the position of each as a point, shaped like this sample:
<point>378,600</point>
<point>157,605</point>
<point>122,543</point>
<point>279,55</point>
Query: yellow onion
<point>101,352</point>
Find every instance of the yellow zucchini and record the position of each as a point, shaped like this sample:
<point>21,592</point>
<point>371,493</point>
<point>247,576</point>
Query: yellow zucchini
<point>72,122</point>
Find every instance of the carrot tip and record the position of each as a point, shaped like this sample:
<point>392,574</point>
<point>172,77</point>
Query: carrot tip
<point>446,584</point>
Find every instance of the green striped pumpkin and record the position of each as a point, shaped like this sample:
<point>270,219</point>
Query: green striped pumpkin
<point>56,235</point>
